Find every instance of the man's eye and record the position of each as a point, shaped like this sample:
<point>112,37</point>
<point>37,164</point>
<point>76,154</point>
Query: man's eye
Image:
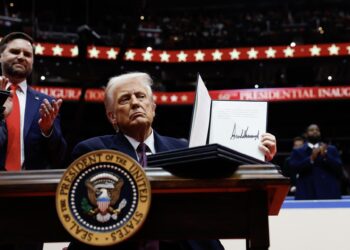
<point>27,54</point>
<point>14,51</point>
<point>124,100</point>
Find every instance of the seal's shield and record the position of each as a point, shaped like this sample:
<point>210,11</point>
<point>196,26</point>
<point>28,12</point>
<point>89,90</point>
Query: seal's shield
<point>103,198</point>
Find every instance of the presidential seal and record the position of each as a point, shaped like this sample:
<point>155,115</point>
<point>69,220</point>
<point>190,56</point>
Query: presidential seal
<point>103,198</point>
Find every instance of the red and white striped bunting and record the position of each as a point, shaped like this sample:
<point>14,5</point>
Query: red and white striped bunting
<point>198,55</point>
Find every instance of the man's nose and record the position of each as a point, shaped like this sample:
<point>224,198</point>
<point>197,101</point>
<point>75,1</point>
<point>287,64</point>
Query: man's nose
<point>20,55</point>
<point>134,101</point>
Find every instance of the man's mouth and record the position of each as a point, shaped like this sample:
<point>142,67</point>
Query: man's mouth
<point>136,114</point>
<point>19,65</point>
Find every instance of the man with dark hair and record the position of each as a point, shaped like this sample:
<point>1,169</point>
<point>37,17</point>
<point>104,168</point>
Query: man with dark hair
<point>318,167</point>
<point>33,137</point>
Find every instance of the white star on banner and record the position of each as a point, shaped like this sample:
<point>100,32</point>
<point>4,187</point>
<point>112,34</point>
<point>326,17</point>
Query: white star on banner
<point>288,52</point>
<point>39,50</point>
<point>333,50</point>
<point>235,54</point>
<point>164,98</point>
<point>57,50</point>
<point>217,55</point>
<point>182,56</point>
<point>129,55</point>
<point>184,98</point>
<point>315,51</point>
<point>164,57</point>
<point>252,53</point>
<point>147,56</point>
<point>348,49</point>
<point>74,51</point>
<point>112,54</point>
<point>270,53</point>
<point>93,52</point>
<point>199,55</point>
<point>173,98</point>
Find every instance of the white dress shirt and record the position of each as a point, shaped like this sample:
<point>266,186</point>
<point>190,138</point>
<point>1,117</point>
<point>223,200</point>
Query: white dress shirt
<point>149,142</point>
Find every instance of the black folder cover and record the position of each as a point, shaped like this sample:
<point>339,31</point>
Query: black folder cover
<point>208,161</point>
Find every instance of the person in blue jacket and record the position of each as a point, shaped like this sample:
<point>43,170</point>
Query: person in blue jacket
<point>40,144</point>
<point>318,167</point>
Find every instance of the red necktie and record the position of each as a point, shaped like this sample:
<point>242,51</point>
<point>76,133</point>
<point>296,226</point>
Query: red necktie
<point>13,153</point>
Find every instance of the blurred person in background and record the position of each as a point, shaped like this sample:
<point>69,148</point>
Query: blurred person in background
<point>318,167</point>
<point>298,142</point>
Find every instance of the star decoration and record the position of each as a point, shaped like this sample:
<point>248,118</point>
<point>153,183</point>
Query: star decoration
<point>147,56</point>
<point>173,98</point>
<point>217,55</point>
<point>74,51</point>
<point>333,50</point>
<point>288,52</point>
<point>129,55</point>
<point>164,98</point>
<point>184,98</point>
<point>315,51</point>
<point>252,53</point>
<point>57,50</point>
<point>93,52</point>
<point>182,56</point>
<point>39,50</point>
<point>164,57</point>
<point>270,53</point>
<point>112,54</point>
<point>199,55</point>
<point>235,54</point>
<point>348,49</point>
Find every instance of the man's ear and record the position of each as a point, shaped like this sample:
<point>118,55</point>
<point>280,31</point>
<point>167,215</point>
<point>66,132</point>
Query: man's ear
<point>112,118</point>
<point>154,108</point>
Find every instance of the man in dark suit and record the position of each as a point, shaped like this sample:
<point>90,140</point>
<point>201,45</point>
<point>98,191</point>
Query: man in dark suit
<point>131,110</point>
<point>37,142</point>
<point>318,167</point>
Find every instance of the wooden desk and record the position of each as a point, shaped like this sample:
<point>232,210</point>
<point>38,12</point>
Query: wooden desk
<point>234,207</point>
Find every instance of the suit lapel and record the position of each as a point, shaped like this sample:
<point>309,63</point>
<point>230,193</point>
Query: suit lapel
<point>159,143</point>
<point>122,144</point>
<point>32,107</point>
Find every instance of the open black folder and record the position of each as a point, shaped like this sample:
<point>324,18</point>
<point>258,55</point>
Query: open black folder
<point>208,161</point>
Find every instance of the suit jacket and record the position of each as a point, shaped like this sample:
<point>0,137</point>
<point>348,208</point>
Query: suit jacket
<point>317,180</point>
<point>120,143</point>
<point>3,135</point>
<point>40,152</point>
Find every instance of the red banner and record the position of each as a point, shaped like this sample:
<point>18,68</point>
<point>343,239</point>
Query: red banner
<point>197,55</point>
<point>183,98</point>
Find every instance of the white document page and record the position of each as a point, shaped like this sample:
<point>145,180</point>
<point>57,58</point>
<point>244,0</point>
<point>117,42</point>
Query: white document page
<point>238,125</point>
<point>201,116</point>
